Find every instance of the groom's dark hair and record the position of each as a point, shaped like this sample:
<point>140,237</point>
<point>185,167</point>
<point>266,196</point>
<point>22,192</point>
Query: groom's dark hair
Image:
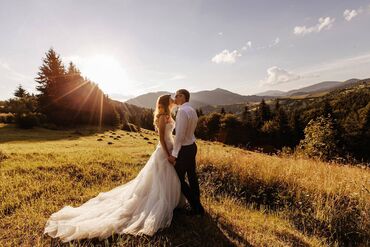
<point>185,93</point>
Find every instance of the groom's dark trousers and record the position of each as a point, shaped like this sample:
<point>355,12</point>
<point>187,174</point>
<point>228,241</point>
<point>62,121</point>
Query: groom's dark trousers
<point>186,164</point>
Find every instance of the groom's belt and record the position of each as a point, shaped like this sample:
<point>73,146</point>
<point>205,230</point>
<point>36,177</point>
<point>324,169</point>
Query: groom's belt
<point>188,145</point>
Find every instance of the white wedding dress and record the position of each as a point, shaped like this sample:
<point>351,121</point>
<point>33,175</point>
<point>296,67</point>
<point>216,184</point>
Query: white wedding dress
<point>141,206</point>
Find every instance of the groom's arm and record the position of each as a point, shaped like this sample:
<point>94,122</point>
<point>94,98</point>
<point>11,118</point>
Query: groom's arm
<point>181,124</point>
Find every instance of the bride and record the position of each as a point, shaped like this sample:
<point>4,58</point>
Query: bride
<point>141,206</point>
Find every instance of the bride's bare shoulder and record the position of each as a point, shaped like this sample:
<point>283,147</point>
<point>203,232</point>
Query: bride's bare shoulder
<point>164,117</point>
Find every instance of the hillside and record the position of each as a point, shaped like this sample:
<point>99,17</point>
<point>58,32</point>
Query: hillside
<point>251,199</point>
<point>321,87</point>
<point>201,99</point>
<point>214,100</point>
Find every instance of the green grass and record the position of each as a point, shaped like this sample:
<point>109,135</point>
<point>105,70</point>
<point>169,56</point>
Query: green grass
<point>251,199</point>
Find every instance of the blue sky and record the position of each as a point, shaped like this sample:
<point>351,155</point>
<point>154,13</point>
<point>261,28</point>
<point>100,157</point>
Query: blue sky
<point>133,47</point>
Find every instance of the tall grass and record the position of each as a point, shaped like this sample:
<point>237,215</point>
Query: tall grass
<point>251,199</point>
<point>328,200</point>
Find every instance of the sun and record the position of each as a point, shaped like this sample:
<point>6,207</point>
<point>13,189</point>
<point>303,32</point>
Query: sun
<point>107,72</point>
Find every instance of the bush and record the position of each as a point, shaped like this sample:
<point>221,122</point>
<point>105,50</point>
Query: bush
<point>7,118</point>
<point>27,120</point>
<point>131,127</point>
<point>320,139</point>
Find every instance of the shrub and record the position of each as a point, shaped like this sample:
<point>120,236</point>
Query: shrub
<point>320,139</point>
<point>27,120</point>
<point>131,127</point>
<point>7,118</point>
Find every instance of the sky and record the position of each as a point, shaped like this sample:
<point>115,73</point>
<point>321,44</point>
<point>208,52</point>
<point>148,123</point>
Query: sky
<point>131,47</point>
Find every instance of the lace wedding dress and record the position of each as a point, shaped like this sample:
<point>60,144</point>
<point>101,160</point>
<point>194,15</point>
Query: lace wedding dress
<point>141,206</point>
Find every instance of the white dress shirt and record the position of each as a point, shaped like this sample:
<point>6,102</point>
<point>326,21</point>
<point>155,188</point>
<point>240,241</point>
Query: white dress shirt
<point>186,122</point>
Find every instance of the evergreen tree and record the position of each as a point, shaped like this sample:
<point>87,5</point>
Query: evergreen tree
<point>199,112</point>
<point>213,125</point>
<point>223,112</point>
<point>262,114</point>
<point>230,129</point>
<point>246,116</point>
<point>283,133</point>
<point>296,127</point>
<point>365,123</point>
<point>327,109</point>
<point>20,92</point>
<point>51,78</point>
<point>277,106</point>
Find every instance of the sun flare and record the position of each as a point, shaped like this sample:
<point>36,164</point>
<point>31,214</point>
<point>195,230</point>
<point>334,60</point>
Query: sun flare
<point>107,72</point>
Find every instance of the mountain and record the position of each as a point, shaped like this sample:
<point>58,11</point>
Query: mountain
<point>272,93</point>
<point>201,99</point>
<point>214,100</point>
<point>324,86</point>
<point>147,100</point>
<point>120,97</point>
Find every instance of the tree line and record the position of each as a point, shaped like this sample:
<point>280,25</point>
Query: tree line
<point>336,126</point>
<point>66,98</point>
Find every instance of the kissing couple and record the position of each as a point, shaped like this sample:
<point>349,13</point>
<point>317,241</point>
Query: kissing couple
<point>145,204</point>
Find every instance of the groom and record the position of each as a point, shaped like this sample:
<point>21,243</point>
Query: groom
<point>185,150</point>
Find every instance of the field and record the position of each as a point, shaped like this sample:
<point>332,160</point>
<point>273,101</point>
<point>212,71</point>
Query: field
<point>251,199</point>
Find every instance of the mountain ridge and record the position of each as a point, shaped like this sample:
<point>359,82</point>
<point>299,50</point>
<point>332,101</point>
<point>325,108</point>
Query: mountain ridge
<point>220,96</point>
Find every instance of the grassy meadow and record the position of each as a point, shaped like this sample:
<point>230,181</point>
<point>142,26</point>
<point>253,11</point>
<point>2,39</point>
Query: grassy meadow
<point>251,199</point>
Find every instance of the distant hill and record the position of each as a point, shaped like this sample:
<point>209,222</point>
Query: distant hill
<point>201,99</point>
<point>272,93</point>
<point>214,100</point>
<point>324,86</point>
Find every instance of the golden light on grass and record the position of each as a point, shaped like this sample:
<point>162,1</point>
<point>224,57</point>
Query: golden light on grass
<point>43,170</point>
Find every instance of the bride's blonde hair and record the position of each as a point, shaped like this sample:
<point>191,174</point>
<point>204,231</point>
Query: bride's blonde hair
<point>164,101</point>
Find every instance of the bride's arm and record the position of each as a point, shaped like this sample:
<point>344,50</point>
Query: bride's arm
<point>162,128</point>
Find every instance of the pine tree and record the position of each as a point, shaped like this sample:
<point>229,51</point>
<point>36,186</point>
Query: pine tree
<point>284,132</point>
<point>327,109</point>
<point>199,112</point>
<point>223,112</point>
<point>51,72</point>
<point>365,123</point>
<point>20,92</point>
<point>277,105</point>
<point>262,114</point>
<point>296,127</point>
<point>51,78</point>
<point>246,116</point>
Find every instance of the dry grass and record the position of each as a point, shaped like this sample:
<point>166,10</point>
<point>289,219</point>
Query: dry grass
<point>329,200</point>
<point>251,199</point>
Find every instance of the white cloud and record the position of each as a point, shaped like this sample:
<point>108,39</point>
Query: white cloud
<point>226,57</point>
<point>275,42</point>
<point>247,45</point>
<point>220,33</point>
<point>349,14</point>
<point>324,23</point>
<point>276,75</point>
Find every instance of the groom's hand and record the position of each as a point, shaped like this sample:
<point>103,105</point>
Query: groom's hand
<point>171,159</point>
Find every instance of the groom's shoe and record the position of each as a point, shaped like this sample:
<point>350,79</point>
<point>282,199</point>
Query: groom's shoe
<point>199,211</point>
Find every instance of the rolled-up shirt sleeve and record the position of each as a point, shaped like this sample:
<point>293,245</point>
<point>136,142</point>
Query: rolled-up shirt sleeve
<point>181,125</point>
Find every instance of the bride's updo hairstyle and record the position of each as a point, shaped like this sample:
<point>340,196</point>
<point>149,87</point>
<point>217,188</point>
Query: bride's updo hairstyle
<point>163,102</point>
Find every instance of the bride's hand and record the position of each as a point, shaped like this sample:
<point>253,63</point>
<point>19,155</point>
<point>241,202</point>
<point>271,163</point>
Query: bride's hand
<point>172,159</point>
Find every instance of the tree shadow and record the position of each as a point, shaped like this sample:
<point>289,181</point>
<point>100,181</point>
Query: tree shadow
<point>10,133</point>
<point>184,231</point>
